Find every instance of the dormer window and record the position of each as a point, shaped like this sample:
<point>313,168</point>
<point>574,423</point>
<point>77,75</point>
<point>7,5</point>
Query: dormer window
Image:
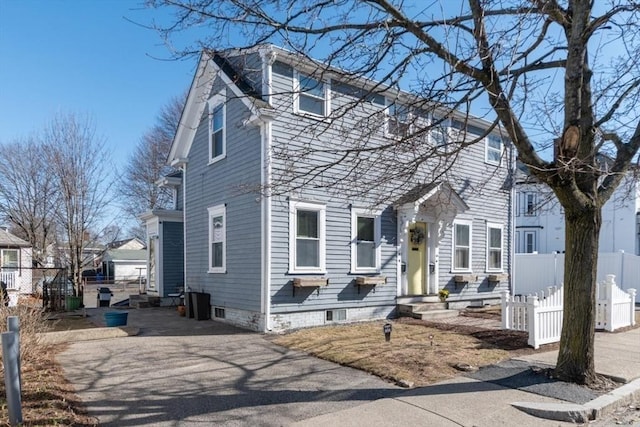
<point>311,96</point>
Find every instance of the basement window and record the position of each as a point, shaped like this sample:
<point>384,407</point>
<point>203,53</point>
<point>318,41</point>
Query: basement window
<point>336,315</point>
<point>218,312</point>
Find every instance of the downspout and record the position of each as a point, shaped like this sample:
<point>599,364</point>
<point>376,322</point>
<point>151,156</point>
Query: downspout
<point>512,221</point>
<point>268,56</point>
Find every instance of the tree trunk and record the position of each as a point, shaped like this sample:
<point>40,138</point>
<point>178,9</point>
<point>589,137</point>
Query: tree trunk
<point>575,358</point>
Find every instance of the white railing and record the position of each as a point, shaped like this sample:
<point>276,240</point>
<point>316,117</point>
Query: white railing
<point>9,278</point>
<point>541,314</point>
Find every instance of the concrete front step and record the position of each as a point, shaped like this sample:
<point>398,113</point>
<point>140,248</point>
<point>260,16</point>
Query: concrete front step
<point>426,311</point>
<point>408,308</point>
<point>434,314</point>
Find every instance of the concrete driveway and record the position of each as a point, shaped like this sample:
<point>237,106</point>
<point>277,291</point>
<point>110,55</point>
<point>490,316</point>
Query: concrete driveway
<point>180,371</point>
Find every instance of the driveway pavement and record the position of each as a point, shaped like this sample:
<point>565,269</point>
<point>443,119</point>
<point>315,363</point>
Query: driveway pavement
<point>167,370</point>
<point>181,371</point>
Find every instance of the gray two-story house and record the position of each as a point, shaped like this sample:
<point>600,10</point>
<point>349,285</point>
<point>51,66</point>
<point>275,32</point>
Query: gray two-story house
<point>283,229</point>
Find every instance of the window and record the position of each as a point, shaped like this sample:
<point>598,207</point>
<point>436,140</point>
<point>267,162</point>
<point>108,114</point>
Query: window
<point>217,239</point>
<point>10,259</point>
<point>439,138</point>
<point>462,246</point>
<point>398,120</point>
<point>311,96</point>
<point>493,149</point>
<point>217,128</point>
<point>494,247</point>
<point>530,242</point>
<point>365,241</point>
<point>530,204</point>
<point>307,237</point>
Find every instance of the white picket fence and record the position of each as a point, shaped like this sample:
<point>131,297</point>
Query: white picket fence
<point>540,314</point>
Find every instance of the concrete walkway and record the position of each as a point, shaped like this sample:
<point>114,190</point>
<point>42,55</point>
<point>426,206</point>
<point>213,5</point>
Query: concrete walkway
<point>179,371</point>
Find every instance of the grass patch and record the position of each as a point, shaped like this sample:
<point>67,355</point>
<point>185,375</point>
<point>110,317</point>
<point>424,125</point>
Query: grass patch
<point>417,354</point>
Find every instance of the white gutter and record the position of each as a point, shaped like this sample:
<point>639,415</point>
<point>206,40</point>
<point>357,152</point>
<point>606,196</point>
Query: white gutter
<point>268,56</point>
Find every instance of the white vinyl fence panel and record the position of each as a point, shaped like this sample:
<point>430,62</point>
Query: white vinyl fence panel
<point>541,314</point>
<point>537,272</point>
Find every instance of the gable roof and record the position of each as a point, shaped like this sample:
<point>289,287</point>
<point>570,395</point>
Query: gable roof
<point>9,240</point>
<point>423,192</point>
<point>210,66</point>
<point>126,255</point>
<point>120,243</point>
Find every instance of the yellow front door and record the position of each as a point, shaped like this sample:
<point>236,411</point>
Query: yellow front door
<point>416,258</point>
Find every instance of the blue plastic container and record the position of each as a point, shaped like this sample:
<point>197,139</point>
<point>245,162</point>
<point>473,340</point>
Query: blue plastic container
<point>116,318</point>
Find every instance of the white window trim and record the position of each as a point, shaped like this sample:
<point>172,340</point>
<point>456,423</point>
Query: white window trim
<point>359,212</point>
<point>214,102</point>
<point>296,96</point>
<point>491,225</point>
<point>214,211</point>
<point>487,149</point>
<point>453,247</point>
<point>18,259</point>
<point>321,208</point>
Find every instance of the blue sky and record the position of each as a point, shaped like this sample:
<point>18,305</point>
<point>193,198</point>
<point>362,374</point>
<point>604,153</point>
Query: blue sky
<point>84,57</point>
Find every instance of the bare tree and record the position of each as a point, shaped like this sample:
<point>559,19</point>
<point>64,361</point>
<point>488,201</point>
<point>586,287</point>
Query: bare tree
<point>550,73</point>
<point>147,164</point>
<point>77,160</point>
<point>27,195</point>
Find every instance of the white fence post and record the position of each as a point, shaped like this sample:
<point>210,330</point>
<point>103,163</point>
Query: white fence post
<point>632,306</point>
<point>532,323</point>
<point>506,310</point>
<point>608,286</point>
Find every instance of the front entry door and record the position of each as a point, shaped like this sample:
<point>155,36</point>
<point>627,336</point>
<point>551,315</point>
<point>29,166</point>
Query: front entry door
<point>417,258</point>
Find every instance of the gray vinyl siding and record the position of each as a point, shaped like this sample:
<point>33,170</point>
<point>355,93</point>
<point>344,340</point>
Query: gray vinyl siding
<point>478,183</point>
<point>173,256</point>
<point>341,291</point>
<point>222,183</point>
<point>486,191</point>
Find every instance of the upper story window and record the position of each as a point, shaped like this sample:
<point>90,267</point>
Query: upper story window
<point>365,241</point>
<point>494,148</point>
<point>494,247</point>
<point>398,120</point>
<point>307,237</point>
<point>311,96</point>
<point>439,135</point>
<point>217,128</point>
<point>529,204</point>
<point>462,246</point>
<point>217,239</point>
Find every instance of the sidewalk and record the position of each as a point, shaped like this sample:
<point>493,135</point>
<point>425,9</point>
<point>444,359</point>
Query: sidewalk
<point>465,401</point>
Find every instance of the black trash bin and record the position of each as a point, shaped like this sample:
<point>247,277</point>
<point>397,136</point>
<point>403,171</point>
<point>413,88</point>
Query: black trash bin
<point>189,303</point>
<point>201,306</point>
<point>104,297</point>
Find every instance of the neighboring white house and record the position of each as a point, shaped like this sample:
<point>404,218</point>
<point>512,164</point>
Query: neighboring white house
<point>15,271</point>
<point>540,220</point>
<point>125,264</point>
